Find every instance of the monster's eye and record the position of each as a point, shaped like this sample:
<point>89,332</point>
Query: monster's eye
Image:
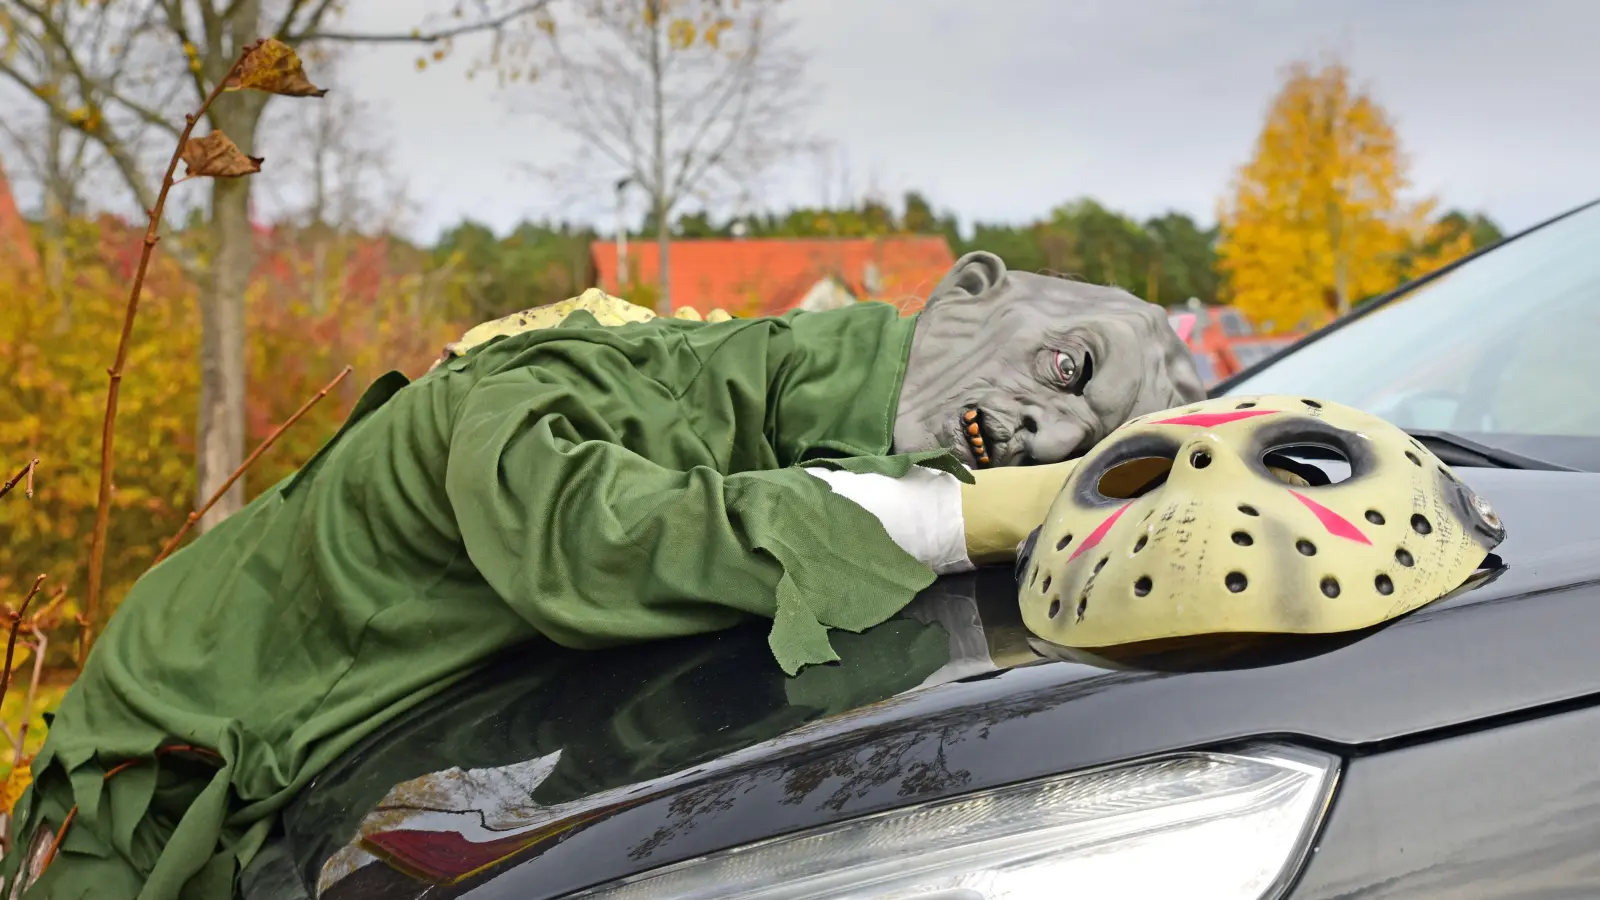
<point>1066,369</point>
<point>1069,373</point>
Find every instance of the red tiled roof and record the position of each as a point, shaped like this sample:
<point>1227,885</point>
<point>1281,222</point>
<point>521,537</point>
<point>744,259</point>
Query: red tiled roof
<point>768,276</point>
<point>16,247</point>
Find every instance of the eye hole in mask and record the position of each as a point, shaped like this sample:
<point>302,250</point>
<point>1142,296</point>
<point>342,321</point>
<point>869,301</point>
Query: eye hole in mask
<point>1307,465</point>
<point>1135,478</point>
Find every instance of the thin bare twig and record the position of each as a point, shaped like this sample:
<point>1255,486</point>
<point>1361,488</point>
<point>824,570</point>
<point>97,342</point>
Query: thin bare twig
<point>27,472</point>
<point>272,438</point>
<point>102,513</point>
<point>11,642</point>
<point>40,620</point>
<point>41,645</point>
<point>431,37</point>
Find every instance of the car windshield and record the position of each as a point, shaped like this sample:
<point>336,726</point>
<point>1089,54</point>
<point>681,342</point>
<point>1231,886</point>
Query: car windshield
<point>1505,348</point>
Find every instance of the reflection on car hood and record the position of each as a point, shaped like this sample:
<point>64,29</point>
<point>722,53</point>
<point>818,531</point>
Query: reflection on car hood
<point>531,752</point>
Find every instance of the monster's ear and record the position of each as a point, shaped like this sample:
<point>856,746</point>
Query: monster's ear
<point>973,275</point>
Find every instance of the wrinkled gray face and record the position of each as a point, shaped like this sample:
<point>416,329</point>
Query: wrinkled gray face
<point>1013,368</point>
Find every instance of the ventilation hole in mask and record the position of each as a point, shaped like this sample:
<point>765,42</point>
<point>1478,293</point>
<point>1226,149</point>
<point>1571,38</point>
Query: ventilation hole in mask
<point>1236,582</point>
<point>1248,510</point>
<point>1062,544</point>
<point>1139,544</point>
<point>1312,403</point>
<point>1034,576</point>
<point>1142,586</point>
<point>1200,459</point>
<point>1384,584</point>
<point>1449,474</point>
<point>1305,547</point>
<point>1055,608</point>
<point>1083,606</point>
<point>1101,564</point>
<point>1307,465</point>
<point>1330,586</point>
<point>1046,586</point>
<point>1134,478</point>
<point>1421,525</point>
<point>1404,557</point>
<point>1246,405</point>
<point>1242,538</point>
<point>1413,457</point>
<point>1374,517</point>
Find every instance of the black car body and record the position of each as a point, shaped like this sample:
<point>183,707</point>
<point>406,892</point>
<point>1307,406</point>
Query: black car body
<point>1455,739</point>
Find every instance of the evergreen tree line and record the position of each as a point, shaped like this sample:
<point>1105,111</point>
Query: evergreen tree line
<point>1166,259</point>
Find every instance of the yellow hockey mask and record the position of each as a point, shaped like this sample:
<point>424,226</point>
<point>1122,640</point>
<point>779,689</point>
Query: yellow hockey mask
<point>1206,520</point>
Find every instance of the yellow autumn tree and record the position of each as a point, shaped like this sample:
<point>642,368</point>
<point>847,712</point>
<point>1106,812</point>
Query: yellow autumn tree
<point>1444,241</point>
<point>1317,219</point>
<point>54,348</point>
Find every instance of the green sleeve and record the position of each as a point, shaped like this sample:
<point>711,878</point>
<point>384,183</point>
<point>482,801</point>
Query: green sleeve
<point>595,545</point>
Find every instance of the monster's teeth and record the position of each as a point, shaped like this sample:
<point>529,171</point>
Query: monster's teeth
<point>970,415</point>
<point>973,430</point>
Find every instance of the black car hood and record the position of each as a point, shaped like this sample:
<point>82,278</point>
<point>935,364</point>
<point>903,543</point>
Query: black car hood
<point>551,770</point>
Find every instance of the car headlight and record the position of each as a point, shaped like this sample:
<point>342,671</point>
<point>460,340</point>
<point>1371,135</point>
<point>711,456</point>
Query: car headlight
<point>1232,825</point>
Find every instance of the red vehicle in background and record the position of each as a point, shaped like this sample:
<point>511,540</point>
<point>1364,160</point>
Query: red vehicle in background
<point>1223,341</point>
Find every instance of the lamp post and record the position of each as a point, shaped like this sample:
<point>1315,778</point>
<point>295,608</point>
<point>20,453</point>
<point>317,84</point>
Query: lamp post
<point>622,233</point>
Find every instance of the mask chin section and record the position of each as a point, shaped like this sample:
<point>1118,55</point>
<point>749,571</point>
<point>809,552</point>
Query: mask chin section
<point>972,432</point>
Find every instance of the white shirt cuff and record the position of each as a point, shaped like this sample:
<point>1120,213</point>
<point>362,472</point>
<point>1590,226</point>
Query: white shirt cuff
<point>921,512</point>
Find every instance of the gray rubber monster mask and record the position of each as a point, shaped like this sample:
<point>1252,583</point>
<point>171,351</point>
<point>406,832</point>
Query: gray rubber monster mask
<point>1013,368</point>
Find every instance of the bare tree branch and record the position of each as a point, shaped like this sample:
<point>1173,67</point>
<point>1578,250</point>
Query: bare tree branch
<point>283,32</point>
<point>113,145</point>
<point>725,109</point>
<point>179,24</point>
<point>431,37</point>
<point>735,82</point>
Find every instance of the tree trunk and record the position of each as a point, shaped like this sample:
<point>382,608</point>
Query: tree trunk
<point>664,251</point>
<point>53,244</point>
<point>57,207</point>
<point>658,181</point>
<point>220,435</point>
<point>1341,287</point>
<point>319,272</point>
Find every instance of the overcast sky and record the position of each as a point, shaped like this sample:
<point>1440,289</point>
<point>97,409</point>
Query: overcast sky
<point>999,109</point>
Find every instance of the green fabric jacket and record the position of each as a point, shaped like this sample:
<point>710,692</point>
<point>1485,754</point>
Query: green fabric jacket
<point>587,485</point>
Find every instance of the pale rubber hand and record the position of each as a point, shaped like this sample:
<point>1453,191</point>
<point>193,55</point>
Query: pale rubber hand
<point>1005,504</point>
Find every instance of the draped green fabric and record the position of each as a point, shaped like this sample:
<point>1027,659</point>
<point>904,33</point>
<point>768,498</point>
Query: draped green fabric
<point>591,486</point>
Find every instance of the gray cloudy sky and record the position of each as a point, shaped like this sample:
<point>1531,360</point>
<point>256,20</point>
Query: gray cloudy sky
<point>999,109</point>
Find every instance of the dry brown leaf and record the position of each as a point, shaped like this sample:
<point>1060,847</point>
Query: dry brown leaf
<point>273,67</point>
<point>217,156</point>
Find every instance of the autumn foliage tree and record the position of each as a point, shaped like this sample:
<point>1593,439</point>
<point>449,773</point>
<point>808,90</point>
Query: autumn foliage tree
<point>1447,239</point>
<point>53,406</point>
<point>1318,217</point>
<point>1321,216</point>
<point>102,73</point>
